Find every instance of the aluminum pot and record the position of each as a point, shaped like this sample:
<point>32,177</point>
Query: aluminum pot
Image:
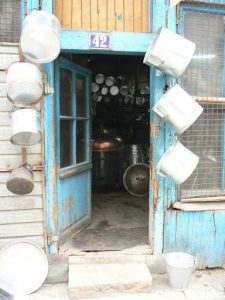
<point>136,179</point>
<point>114,90</point>
<point>124,90</point>
<point>24,83</point>
<point>20,181</point>
<point>99,78</point>
<point>40,37</point>
<point>26,127</point>
<point>109,81</point>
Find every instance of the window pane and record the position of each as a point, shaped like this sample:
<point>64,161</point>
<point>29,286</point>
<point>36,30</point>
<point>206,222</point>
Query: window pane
<point>80,96</point>
<point>10,21</point>
<point>204,75</point>
<point>66,93</point>
<point>66,148</point>
<point>205,138</point>
<point>81,141</point>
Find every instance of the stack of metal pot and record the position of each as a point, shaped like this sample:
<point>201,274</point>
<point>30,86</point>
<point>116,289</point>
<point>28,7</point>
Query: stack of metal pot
<point>25,89</point>
<point>105,88</point>
<point>136,176</point>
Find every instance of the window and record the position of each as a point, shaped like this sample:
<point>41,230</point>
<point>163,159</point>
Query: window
<point>10,21</point>
<point>74,118</point>
<point>204,80</point>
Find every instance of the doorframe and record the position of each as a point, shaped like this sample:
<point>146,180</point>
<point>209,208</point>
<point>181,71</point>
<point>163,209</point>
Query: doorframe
<point>123,44</point>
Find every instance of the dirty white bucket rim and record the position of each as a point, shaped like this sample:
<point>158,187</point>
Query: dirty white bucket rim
<point>176,259</point>
<point>24,267</point>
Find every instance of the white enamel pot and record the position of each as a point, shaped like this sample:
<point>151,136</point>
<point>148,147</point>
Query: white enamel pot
<point>178,162</point>
<point>25,127</point>
<point>40,37</point>
<point>178,108</point>
<point>170,52</point>
<point>24,83</point>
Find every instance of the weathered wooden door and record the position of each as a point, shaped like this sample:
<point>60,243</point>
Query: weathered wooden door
<point>73,147</point>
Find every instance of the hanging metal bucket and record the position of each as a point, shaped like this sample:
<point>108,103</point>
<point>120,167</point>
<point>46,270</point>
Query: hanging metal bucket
<point>170,52</point>
<point>178,162</point>
<point>24,83</point>
<point>178,108</point>
<point>40,37</point>
<point>20,181</point>
<point>26,127</point>
<point>136,180</point>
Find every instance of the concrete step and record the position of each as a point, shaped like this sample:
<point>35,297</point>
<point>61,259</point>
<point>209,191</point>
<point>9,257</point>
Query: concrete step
<point>88,280</point>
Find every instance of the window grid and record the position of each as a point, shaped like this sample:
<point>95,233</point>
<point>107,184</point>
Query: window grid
<point>203,79</point>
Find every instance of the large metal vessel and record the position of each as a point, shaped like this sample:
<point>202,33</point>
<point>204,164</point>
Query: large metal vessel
<point>107,158</point>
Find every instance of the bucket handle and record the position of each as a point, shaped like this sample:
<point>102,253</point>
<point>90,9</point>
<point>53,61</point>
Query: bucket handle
<point>161,173</point>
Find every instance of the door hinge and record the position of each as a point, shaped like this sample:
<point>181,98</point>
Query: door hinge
<point>53,239</point>
<point>47,88</point>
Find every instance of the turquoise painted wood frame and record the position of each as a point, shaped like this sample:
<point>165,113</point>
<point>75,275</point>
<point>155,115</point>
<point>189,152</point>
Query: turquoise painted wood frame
<point>77,42</point>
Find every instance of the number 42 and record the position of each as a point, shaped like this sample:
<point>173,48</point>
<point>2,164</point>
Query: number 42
<point>100,41</point>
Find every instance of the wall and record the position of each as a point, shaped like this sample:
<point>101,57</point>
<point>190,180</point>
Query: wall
<point>21,217</point>
<point>119,15</point>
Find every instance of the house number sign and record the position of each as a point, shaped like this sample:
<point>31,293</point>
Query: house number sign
<point>99,41</point>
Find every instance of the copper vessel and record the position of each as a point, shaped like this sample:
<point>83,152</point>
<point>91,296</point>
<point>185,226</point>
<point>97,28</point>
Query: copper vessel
<point>105,142</point>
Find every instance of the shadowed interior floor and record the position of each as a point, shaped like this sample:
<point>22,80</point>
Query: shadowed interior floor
<point>119,222</point>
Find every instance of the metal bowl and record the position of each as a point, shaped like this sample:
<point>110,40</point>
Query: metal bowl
<point>136,179</point>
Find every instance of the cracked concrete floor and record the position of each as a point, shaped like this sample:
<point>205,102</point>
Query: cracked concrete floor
<point>205,285</point>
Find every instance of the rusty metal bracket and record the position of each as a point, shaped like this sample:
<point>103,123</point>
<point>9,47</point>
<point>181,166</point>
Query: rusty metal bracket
<point>47,88</point>
<point>53,239</point>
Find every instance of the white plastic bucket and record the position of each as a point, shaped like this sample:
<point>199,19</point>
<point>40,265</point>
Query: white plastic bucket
<point>180,267</point>
<point>24,268</point>
<point>24,83</point>
<point>40,37</point>
<point>25,127</point>
<point>178,162</point>
<point>170,52</point>
<point>178,108</point>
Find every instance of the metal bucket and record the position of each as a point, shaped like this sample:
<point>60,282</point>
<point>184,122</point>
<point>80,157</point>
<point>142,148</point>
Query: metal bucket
<point>99,78</point>
<point>178,108</point>
<point>178,162</point>
<point>134,154</point>
<point>170,52</point>
<point>180,267</point>
<point>109,81</point>
<point>114,90</point>
<point>124,90</point>
<point>20,181</point>
<point>136,180</point>
<point>40,37</point>
<point>129,99</point>
<point>94,87</point>
<point>25,127</point>
<point>24,83</point>
<point>104,90</point>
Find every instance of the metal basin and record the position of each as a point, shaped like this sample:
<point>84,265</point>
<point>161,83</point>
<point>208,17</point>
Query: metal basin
<point>136,179</point>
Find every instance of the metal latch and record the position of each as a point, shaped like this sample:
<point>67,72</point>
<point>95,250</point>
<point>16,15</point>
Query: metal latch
<point>52,239</point>
<point>48,89</point>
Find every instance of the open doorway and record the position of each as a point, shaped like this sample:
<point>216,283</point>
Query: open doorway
<point>120,134</point>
